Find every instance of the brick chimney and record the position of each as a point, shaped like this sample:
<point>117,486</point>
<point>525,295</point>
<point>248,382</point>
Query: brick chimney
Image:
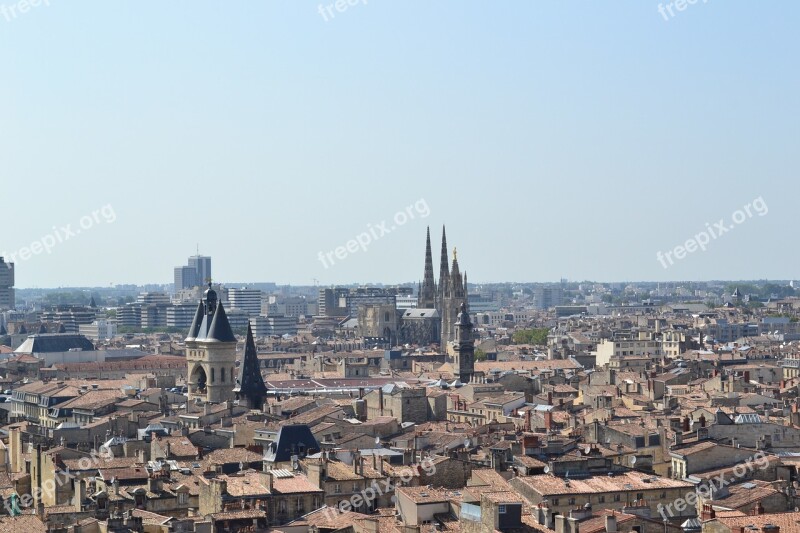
<point>708,512</point>
<point>758,509</point>
<point>548,420</point>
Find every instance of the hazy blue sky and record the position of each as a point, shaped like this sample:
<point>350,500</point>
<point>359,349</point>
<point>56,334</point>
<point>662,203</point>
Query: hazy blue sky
<point>555,139</point>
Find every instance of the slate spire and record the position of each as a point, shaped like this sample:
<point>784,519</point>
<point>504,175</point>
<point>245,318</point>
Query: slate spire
<point>444,270</point>
<point>427,294</point>
<point>249,383</point>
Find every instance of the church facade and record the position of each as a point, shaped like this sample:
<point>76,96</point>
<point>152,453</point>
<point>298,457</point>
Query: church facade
<point>448,295</point>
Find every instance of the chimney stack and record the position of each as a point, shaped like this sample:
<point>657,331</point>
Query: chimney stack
<point>611,522</point>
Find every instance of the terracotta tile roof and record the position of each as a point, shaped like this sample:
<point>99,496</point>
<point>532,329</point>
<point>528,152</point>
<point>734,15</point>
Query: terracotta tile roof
<point>26,522</point>
<point>223,456</point>
<point>327,518</point>
<point>93,399</point>
<point>629,481</point>
<point>786,521</point>
<point>294,485</point>
<point>423,494</point>
<point>124,474</point>
<point>745,494</point>
<point>242,514</point>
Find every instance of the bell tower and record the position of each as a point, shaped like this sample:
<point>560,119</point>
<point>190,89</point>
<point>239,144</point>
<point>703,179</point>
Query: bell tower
<point>211,352</point>
<point>465,347</point>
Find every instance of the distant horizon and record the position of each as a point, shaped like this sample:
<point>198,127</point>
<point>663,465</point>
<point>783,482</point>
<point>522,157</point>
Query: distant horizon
<point>414,283</point>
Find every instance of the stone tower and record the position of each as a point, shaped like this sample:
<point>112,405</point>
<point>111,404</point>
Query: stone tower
<point>464,358</point>
<point>454,295</point>
<point>211,352</point>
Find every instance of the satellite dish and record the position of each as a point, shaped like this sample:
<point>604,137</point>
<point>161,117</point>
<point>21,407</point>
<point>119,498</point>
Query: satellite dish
<point>633,460</point>
<point>378,440</point>
<point>466,443</point>
<point>546,469</point>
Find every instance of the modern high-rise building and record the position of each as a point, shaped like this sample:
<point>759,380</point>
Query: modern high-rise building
<point>547,296</point>
<point>196,273</point>
<point>185,278</point>
<point>244,299</point>
<point>202,265</point>
<point>6,285</point>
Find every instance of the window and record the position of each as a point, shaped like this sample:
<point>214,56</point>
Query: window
<point>501,509</point>
<point>183,498</point>
<point>555,501</point>
<point>222,375</point>
<point>212,374</point>
<point>616,497</point>
<point>337,489</point>
<point>601,498</point>
<point>572,501</point>
<point>639,496</point>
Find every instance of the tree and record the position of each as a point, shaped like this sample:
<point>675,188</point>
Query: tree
<point>531,336</point>
<point>480,355</point>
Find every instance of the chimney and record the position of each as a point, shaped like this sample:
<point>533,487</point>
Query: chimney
<point>79,491</point>
<point>268,479</point>
<point>548,420</point>
<point>549,398</point>
<point>758,509</point>
<point>154,483</point>
<point>611,522</point>
<point>708,512</point>
<point>685,424</point>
